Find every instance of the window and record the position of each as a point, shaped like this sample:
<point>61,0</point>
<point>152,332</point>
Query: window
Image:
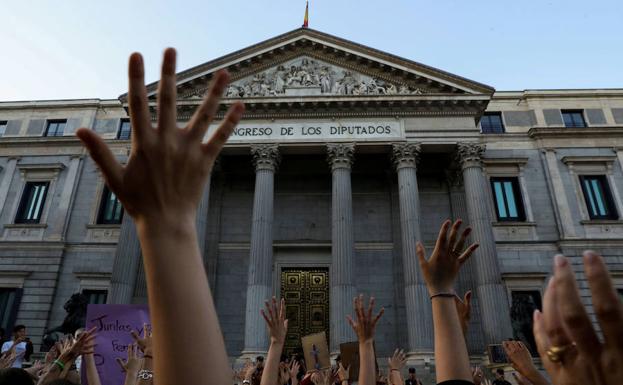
<point>573,118</point>
<point>3,125</point>
<point>33,200</point>
<point>508,203</point>
<point>55,128</point>
<point>95,297</point>
<point>9,304</point>
<point>620,291</point>
<point>125,130</point>
<point>523,305</point>
<point>597,196</point>
<point>111,210</point>
<point>491,123</point>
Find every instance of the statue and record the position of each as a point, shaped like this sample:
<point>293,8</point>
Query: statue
<point>76,308</point>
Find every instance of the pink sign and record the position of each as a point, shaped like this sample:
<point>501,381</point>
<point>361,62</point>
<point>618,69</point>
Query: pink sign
<point>114,324</point>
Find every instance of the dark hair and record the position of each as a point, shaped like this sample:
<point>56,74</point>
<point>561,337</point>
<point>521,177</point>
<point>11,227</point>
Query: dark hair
<point>15,376</point>
<point>18,328</point>
<point>411,370</point>
<point>259,358</point>
<point>338,358</point>
<point>500,371</point>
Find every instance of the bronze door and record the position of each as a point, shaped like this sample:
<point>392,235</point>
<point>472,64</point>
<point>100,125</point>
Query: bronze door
<point>306,293</point>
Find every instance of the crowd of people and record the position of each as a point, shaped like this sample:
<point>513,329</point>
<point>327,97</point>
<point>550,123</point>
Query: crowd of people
<point>160,187</point>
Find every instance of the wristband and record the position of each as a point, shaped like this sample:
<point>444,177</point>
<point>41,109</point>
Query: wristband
<point>145,374</point>
<point>395,370</point>
<point>446,295</point>
<point>59,364</point>
<point>246,382</point>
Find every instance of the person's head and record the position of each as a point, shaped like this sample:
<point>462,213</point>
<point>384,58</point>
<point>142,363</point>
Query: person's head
<point>259,362</point>
<point>499,374</point>
<point>19,331</point>
<point>412,373</point>
<point>15,376</point>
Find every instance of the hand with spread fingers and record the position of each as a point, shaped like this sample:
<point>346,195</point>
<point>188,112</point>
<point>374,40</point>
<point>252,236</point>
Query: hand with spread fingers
<point>464,309</point>
<point>522,362</point>
<point>343,374</point>
<point>275,317</point>
<point>132,365</point>
<point>441,269</point>
<point>569,346</point>
<point>161,186</point>
<point>395,365</point>
<point>449,317</point>
<point>144,343</point>
<point>364,327</point>
<point>295,367</point>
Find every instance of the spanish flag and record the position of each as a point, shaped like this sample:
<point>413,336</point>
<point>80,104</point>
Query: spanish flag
<point>306,20</point>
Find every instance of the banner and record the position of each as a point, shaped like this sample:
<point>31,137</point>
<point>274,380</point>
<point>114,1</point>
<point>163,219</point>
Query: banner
<point>114,324</point>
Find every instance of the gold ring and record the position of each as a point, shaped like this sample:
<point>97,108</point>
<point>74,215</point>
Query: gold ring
<point>556,353</point>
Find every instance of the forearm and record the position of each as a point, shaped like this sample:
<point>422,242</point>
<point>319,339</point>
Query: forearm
<point>367,367</point>
<point>180,299</point>
<point>271,367</point>
<point>395,378</point>
<point>451,357</point>
<point>131,377</point>
<point>535,377</point>
<point>93,376</point>
<point>147,365</point>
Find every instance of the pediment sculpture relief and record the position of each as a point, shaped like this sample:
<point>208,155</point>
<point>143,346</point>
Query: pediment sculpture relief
<point>305,76</point>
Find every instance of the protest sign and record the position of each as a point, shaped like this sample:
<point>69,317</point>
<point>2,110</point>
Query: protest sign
<point>113,325</point>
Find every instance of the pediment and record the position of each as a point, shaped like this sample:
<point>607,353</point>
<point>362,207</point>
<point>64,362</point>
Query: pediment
<point>308,63</point>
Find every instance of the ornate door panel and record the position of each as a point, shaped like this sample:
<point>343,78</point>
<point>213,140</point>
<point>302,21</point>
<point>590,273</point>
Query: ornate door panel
<point>306,292</point>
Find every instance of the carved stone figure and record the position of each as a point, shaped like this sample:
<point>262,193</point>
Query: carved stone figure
<point>307,73</point>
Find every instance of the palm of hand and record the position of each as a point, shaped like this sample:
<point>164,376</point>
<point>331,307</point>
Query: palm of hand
<point>168,166</point>
<point>276,321</point>
<point>441,269</point>
<point>366,322</point>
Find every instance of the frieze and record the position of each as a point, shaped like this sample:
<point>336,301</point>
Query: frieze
<point>307,76</point>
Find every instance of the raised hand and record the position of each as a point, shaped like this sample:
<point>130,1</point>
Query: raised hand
<point>568,344</point>
<point>343,373</point>
<point>294,371</point>
<point>522,362</point>
<point>322,377</point>
<point>171,163</point>
<point>366,322</point>
<point>398,360</point>
<point>464,309</point>
<point>144,343</point>
<point>8,358</point>
<point>276,321</point>
<point>477,375</point>
<point>441,269</point>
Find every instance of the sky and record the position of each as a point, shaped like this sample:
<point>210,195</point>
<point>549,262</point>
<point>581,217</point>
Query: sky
<point>69,49</point>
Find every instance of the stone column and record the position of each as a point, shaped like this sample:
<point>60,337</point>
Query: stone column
<point>125,266</point>
<point>340,157</point>
<point>7,178</point>
<point>266,159</point>
<point>490,291</point>
<point>417,303</point>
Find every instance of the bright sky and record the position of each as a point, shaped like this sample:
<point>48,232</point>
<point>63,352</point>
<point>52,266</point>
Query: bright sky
<point>78,49</point>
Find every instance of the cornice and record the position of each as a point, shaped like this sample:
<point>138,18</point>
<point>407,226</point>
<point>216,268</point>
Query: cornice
<point>584,132</point>
<point>588,159</point>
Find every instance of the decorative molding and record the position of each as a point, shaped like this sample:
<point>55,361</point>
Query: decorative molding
<point>470,154</point>
<point>340,155</point>
<point>582,133</point>
<point>588,159</point>
<point>406,155</point>
<point>505,161</point>
<point>266,156</point>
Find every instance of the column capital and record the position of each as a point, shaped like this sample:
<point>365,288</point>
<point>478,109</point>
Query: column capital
<point>470,154</point>
<point>454,178</point>
<point>340,155</point>
<point>265,156</point>
<point>406,155</point>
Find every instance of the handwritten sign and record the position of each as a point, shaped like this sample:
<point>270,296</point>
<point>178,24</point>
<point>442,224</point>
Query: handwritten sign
<point>114,324</point>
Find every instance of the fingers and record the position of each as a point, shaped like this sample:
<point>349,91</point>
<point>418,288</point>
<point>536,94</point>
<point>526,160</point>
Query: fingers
<point>468,253</point>
<point>468,303</point>
<point>441,238</point>
<point>102,156</point>
<point>605,299</point>
<point>454,230</point>
<point>358,305</point>
<point>137,100</point>
<point>554,329</point>
<point>421,253</point>
<point>204,115</point>
<point>268,321</point>
<point>461,243</point>
<point>370,308</point>
<point>146,332</point>
<point>121,364</point>
<point>167,94</point>
<point>282,310</point>
<point>351,322</point>
<point>221,134</point>
<point>572,312</point>
<point>540,336</point>
<point>378,316</point>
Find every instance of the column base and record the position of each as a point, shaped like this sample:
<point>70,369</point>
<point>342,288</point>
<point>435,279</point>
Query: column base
<point>249,355</point>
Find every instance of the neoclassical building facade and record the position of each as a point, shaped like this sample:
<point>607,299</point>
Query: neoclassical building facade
<point>347,156</point>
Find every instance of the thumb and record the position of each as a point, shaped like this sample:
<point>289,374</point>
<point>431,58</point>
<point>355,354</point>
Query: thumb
<point>419,250</point>
<point>102,156</point>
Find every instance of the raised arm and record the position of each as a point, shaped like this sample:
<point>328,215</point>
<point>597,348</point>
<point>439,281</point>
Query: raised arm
<point>160,187</point>
<point>395,364</point>
<point>277,324</point>
<point>364,327</point>
<point>440,272</point>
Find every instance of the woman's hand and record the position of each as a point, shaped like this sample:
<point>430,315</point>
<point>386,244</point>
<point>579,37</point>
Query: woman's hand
<point>366,322</point>
<point>276,321</point>
<point>441,269</point>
